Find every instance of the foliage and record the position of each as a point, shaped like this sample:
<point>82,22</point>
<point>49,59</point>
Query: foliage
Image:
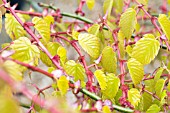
<point>119,62</point>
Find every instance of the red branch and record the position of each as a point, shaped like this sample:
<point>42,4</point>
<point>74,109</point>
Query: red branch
<point>32,35</point>
<point>22,88</point>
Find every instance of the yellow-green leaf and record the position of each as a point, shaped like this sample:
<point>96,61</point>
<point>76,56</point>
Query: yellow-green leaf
<point>90,4</point>
<point>94,29</point>
<point>127,22</point>
<point>74,69</point>
<point>13,69</point>
<point>109,61</point>
<point>158,74</point>
<point>62,53</point>
<point>146,49</point>
<point>165,23</point>
<point>107,6</point>
<point>25,51</point>
<point>13,27</point>
<point>159,87</point>
<point>146,101</point>
<point>134,96</point>
<point>101,78</point>
<point>121,49</point>
<point>42,25</point>
<point>52,48</point>
<point>129,50</point>
<point>90,43</point>
<point>113,84</point>
<point>153,109</point>
<point>118,5</point>
<point>106,109</point>
<point>136,70</point>
<point>63,85</point>
<point>8,105</point>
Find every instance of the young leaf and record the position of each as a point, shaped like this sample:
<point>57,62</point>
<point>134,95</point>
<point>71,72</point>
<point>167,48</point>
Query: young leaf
<point>159,87</point>
<point>127,22</point>
<point>74,69</point>
<point>13,69</point>
<point>107,6</point>
<point>90,4</point>
<point>158,74</point>
<point>165,23</point>
<point>146,49</point>
<point>25,51</point>
<point>90,43</point>
<point>129,50</point>
<point>101,78</point>
<point>8,105</point>
<point>113,84</point>
<point>134,96</point>
<point>52,47</point>
<point>13,27</point>
<point>146,101</point>
<point>109,61</point>
<point>62,53</point>
<point>43,26</point>
<point>63,85</point>
<point>94,29</point>
<point>118,5</point>
<point>153,109</point>
<point>136,70</point>
<point>106,109</point>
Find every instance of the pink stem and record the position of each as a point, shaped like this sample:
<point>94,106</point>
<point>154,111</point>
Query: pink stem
<point>22,88</point>
<point>33,36</point>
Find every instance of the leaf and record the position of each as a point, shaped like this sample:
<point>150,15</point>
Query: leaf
<point>94,29</point>
<point>43,26</point>
<point>8,105</point>
<point>127,22</point>
<point>163,95</point>
<point>118,5</point>
<point>165,23</point>
<point>146,49</point>
<point>75,34</point>
<point>134,96</point>
<point>121,49</point>
<point>129,50</point>
<point>62,53</point>
<point>153,109</point>
<point>52,48</point>
<point>90,43</point>
<point>136,70</point>
<point>90,4</point>
<point>25,51</point>
<point>158,74</point>
<point>101,78</point>
<point>74,69</point>
<point>106,109</point>
<point>13,69</point>
<point>159,87</point>
<point>146,101</point>
<point>107,6</point>
<point>109,61</point>
<point>113,84</point>
<point>63,85</point>
<point>13,27</point>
